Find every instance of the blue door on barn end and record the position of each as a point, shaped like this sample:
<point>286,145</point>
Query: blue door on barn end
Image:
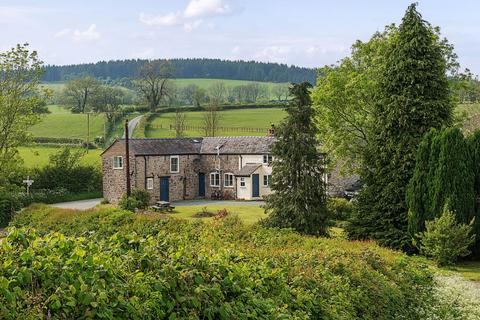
<point>201,184</point>
<point>164,189</point>
<point>255,185</point>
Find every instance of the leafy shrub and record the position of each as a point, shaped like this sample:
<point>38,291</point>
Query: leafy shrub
<point>445,240</point>
<point>9,204</point>
<point>65,172</point>
<point>139,199</point>
<point>142,197</point>
<point>109,263</point>
<point>340,209</point>
<point>128,203</point>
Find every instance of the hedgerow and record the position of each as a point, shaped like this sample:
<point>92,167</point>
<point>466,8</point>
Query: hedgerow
<point>112,264</point>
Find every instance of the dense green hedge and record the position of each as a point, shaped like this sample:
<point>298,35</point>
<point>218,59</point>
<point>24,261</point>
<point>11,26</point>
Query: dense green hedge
<point>111,264</point>
<point>77,179</point>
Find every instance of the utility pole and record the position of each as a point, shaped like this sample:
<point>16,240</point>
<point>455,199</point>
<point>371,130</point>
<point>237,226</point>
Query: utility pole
<point>88,129</point>
<point>127,159</point>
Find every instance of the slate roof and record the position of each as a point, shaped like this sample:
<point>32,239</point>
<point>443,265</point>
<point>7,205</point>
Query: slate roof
<point>247,170</point>
<point>237,145</point>
<point>178,146</point>
<point>164,146</point>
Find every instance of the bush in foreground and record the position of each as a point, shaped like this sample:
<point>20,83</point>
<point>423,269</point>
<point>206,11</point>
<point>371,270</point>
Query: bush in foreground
<point>112,264</point>
<point>445,240</point>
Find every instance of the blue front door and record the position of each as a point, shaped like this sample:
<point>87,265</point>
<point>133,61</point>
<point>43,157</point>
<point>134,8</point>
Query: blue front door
<point>201,184</point>
<point>255,185</point>
<point>164,189</point>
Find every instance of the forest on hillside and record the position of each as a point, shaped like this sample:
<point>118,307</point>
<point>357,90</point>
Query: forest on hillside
<point>186,68</point>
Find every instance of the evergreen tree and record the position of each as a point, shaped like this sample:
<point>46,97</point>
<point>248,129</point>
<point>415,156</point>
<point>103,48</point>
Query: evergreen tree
<point>418,192</point>
<point>453,184</point>
<point>443,177</point>
<point>474,148</point>
<point>299,200</point>
<point>413,96</point>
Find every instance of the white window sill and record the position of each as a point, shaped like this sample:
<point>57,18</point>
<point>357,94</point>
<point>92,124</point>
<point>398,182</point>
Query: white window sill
<point>118,168</point>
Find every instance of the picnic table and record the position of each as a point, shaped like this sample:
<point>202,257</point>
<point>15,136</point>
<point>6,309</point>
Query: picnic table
<point>163,206</point>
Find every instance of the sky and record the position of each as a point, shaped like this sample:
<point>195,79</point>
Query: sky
<point>310,33</point>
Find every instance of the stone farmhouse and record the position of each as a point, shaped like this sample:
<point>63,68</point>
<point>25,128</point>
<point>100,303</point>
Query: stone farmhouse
<point>173,169</point>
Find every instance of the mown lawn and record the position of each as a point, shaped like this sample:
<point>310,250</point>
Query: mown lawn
<point>468,269</point>
<point>38,156</point>
<point>244,118</point>
<point>248,214</point>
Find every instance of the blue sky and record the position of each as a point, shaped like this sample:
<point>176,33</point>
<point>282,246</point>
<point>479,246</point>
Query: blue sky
<point>302,32</point>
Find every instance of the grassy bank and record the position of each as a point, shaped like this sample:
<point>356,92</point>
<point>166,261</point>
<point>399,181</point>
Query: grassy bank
<point>38,155</point>
<point>107,263</point>
<point>245,118</point>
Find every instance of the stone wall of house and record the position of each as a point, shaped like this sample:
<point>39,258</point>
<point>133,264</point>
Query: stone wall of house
<point>183,185</point>
<point>114,180</point>
<point>228,164</point>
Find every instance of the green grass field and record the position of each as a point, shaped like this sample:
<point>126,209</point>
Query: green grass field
<point>243,118</point>
<point>203,83</point>
<point>68,125</point>
<point>467,269</point>
<point>38,156</point>
<point>248,214</point>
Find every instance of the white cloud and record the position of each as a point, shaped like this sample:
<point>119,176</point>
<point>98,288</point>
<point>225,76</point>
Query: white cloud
<point>63,32</point>
<point>235,49</point>
<point>273,53</point>
<point>190,17</point>
<point>189,26</point>
<point>90,34</point>
<point>202,8</point>
<point>168,19</point>
<point>77,35</point>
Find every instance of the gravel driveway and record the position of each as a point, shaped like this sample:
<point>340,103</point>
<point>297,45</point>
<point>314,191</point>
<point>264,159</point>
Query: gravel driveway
<point>78,205</point>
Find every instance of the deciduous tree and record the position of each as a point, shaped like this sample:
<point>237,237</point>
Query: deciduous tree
<point>78,93</point>
<point>153,80</point>
<point>179,122</point>
<point>211,120</point>
<point>20,97</point>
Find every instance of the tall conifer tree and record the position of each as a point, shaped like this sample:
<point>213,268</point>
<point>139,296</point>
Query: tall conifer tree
<point>444,175</point>
<point>413,97</point>
<point>299,200</point>
<point>418,192</point>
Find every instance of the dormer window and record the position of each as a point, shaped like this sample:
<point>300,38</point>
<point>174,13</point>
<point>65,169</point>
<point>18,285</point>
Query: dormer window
<point>267,159</point>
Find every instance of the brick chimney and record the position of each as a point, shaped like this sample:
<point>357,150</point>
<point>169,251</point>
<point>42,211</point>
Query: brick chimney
<point>271,130</point>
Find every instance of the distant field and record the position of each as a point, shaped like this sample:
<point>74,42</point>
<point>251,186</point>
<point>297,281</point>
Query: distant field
<point>68,125</point>
<point>202,83</point>
<point>244,118</point>
<point>38,156</point>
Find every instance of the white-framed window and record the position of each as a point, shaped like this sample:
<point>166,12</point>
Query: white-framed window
<point>266,180</point>
<point>174,164</point>
<point>267,159</point>
<point>149,183</point>
<point>214,179</point>
<point>242,182</point>
<point>117,162</point>
<point>229,179</point>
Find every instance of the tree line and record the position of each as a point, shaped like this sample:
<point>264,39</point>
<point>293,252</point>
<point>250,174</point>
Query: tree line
<point>118,70</point>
